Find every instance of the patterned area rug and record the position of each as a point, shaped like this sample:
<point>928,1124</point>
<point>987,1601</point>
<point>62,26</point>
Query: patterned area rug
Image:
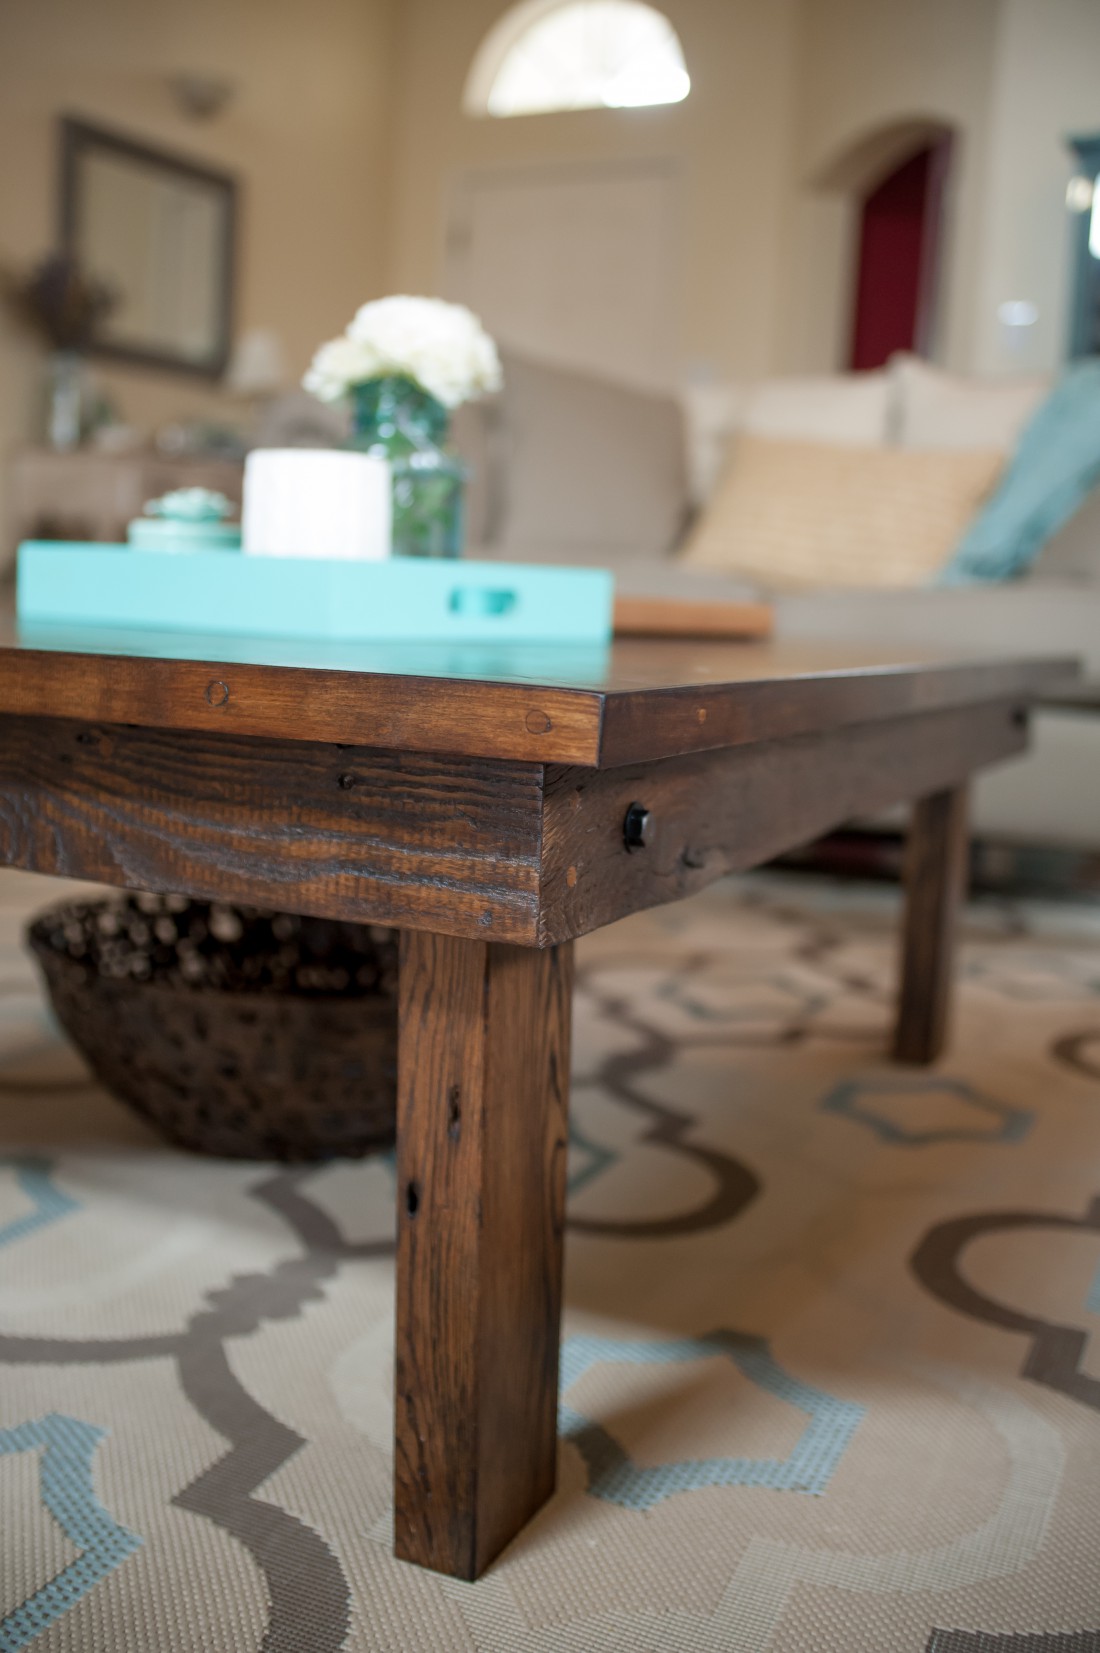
<point>832,1362</point>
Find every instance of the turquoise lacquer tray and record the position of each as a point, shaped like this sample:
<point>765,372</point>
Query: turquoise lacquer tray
<point>403,599</point>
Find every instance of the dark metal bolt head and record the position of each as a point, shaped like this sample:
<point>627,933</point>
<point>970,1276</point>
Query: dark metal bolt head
<point>636,827</point>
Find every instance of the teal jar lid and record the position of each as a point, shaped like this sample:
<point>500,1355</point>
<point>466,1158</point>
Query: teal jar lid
<point>187,519</point>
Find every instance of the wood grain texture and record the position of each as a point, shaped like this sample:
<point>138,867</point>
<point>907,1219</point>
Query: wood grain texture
<point>410,714</point>
<point>719,812</point>
<point>483,1078</point>
<point>809,698</point>
<point>475,848</point>
<point>404,839</point>
<point>935,883</point>
<point>637,700</point>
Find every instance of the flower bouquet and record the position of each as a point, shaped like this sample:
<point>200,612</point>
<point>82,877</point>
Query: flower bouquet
<point>405,364</point>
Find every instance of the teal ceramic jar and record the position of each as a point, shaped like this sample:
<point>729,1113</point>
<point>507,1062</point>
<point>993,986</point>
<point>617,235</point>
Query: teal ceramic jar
<point>188,519</point>
<point>395,418</point>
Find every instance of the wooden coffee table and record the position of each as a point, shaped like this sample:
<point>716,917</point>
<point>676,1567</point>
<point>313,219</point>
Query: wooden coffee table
<point>493,807</point>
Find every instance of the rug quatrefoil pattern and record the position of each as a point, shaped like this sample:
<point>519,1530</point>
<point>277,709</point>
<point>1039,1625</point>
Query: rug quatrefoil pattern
<point>831,1370</point>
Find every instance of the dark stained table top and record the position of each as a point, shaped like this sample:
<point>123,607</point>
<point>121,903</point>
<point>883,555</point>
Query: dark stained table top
<point>635,700</point>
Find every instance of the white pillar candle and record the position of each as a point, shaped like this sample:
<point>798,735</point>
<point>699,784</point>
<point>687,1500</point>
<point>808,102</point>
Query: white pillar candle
<point>316,502</point>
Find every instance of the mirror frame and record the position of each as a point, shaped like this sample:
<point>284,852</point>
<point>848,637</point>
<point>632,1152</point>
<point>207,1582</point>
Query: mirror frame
<point>79,138</point>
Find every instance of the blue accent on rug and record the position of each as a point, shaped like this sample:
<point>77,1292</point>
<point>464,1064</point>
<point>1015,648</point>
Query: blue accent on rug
<point>800,999</point>
<point>34,1176</point>
<point>614,1477</point>
<point>68,1448</point>
<point>1013,1124</point>
<point>599,1159</point>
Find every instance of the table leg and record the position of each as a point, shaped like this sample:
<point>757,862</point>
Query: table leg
<point>935,882</point>
<point>483,1088</point>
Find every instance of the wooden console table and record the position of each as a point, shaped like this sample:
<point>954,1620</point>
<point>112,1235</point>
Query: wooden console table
<point>493,809</point>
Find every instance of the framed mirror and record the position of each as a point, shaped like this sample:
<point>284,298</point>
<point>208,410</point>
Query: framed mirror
<point>159,231</point>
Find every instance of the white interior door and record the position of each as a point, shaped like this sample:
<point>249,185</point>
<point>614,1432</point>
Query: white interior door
<point>575,265</point>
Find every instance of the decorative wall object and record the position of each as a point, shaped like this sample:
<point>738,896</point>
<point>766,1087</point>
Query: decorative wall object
<point>158,230</point>
<point>65,306</point>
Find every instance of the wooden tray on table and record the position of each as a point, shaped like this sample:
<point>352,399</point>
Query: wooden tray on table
<point>695,617</point>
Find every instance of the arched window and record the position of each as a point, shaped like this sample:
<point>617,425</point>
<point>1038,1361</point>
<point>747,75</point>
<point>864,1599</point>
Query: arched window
<point>577,54</point>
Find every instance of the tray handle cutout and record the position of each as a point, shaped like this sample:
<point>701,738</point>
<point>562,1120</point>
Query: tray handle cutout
<point>481,602</point>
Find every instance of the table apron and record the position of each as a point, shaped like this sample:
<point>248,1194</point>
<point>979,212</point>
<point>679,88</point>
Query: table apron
<point>715,812</point>
<point>396,838</point>
<point>481,848</point>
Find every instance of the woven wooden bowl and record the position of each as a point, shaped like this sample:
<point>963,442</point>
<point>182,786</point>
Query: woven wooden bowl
<point>247,1034</point>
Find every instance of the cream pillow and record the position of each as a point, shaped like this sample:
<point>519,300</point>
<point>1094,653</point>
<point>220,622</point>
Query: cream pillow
<point>833,407</point>
<point>797,514</point>
<point>942,410</point>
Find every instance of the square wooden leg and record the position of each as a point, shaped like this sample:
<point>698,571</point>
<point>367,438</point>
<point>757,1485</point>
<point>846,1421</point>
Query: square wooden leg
<point>483,1087</point>
<point>935,883</point>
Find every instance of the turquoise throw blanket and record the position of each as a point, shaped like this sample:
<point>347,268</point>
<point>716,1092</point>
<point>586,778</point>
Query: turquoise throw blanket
<point>1055,466</point>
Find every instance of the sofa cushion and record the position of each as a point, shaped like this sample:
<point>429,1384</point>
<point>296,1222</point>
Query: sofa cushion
<point>1072,555</point>
<point>961,621</point>
<point>849,408</point>
<point>941,410</point>
<point>712,412</point>
<point>853,407</point>
<point>585,462</point>
<point>798,514</point>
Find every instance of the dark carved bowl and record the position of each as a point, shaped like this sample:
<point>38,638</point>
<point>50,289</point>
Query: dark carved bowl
<point>246,1034</point>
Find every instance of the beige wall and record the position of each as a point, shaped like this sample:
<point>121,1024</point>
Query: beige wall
<point>781,89</point>
<point>305,135</point>
<point>731,139</point>
<point>1047,86</point>
<point>863,65</point>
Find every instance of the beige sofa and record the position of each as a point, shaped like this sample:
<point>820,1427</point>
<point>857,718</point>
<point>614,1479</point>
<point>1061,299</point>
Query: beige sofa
<point>575,469</point>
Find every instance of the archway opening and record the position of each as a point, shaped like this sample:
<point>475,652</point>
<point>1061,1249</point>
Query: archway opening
<point>898,254</point>
<point>896,176</point>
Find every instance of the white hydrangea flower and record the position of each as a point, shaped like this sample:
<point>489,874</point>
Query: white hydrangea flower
<point>337,365</point>
<point>442,346</point>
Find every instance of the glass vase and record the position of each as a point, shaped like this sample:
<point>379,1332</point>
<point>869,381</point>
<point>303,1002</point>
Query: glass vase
<point>65,398</point>
<point>394,417</point>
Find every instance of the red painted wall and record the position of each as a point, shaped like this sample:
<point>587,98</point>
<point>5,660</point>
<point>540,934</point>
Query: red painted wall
<point>898,229</point>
